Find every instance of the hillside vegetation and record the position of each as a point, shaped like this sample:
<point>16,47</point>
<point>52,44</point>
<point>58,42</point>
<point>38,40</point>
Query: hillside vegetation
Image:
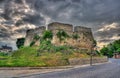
<point>29,56</point>
<point>46,54</point>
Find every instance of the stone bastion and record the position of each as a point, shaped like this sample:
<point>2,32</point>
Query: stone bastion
<point>85,39</point>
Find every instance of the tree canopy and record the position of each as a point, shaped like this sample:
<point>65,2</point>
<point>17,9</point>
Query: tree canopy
<point>111,48</point>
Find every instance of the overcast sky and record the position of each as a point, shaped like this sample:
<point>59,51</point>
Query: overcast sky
<point>103,16</point>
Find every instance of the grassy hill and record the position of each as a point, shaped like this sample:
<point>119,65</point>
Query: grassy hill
<point>30,56</point>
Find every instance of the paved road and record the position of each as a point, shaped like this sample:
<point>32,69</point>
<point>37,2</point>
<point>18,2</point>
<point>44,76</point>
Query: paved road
<point>108,70</point>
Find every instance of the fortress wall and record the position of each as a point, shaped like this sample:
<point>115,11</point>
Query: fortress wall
<point>29,37</point>
<point>40,30</point>
<point>31,33</point>
<point>85,40</point>
<point>86,37</point>
<point>55,26</point>
<point>81,29</point>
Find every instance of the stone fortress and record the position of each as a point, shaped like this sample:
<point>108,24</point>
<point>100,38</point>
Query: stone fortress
<point>85,39</point>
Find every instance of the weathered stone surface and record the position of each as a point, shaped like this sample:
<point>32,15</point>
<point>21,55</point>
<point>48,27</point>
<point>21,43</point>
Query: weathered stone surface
<point>31,33</point>
<point>55,27</point>
<point>85,39</point>
<point>29,37</point>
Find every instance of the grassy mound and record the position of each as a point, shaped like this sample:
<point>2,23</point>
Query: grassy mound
<point>28,57</point>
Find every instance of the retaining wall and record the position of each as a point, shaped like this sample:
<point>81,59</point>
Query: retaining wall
<point>84,61</point>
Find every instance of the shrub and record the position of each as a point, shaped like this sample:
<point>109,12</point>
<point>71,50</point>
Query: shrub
<point>36,37</point>
<point>3,54</point>
<point>75,36</point>
<point>32,43</point>
<point>47,35</point>
<point>61,34</point>
<point>118,50</point>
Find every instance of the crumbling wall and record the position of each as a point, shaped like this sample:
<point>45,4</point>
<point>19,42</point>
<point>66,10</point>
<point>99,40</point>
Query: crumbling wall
<point>31,33</point>
<point>55,27</point>
<point>29,37</point>
<point>85,39</point>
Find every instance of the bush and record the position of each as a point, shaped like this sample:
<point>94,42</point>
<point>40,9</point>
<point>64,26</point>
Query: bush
<point>32,43</point>
<point>47,35</point>
<point>118,50</point>
<point>36,37</point>
<point>3,54</point>
<point>61,34</point>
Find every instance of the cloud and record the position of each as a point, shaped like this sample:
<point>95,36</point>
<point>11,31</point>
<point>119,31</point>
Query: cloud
<point>108,33</point>
<point>109,27</point>
<point>101,15</point>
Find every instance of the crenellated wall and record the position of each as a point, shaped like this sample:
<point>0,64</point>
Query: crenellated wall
<point>85,39</point>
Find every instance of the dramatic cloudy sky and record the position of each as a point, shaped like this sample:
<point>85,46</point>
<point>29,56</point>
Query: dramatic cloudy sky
<point>16,16</point>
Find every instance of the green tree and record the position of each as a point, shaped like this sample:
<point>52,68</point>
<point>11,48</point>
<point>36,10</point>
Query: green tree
<point>111,48</point>
<point>118,50</point>
<point>104,51</point>
<point>116,44</point>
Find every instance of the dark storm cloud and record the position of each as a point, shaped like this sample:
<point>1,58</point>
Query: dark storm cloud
<point>75,11</point>
<point>108,34</point>
<point>35,19</point>
<point>1,0</point>
<point>19,1</point>
<point>80,10</point>
<point>91,13</point>
<point>118,34</point>
<point>13,8</point>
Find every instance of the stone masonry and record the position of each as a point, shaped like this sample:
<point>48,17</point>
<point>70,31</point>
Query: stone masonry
<point>85,39</point>
<point>30,34</point>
